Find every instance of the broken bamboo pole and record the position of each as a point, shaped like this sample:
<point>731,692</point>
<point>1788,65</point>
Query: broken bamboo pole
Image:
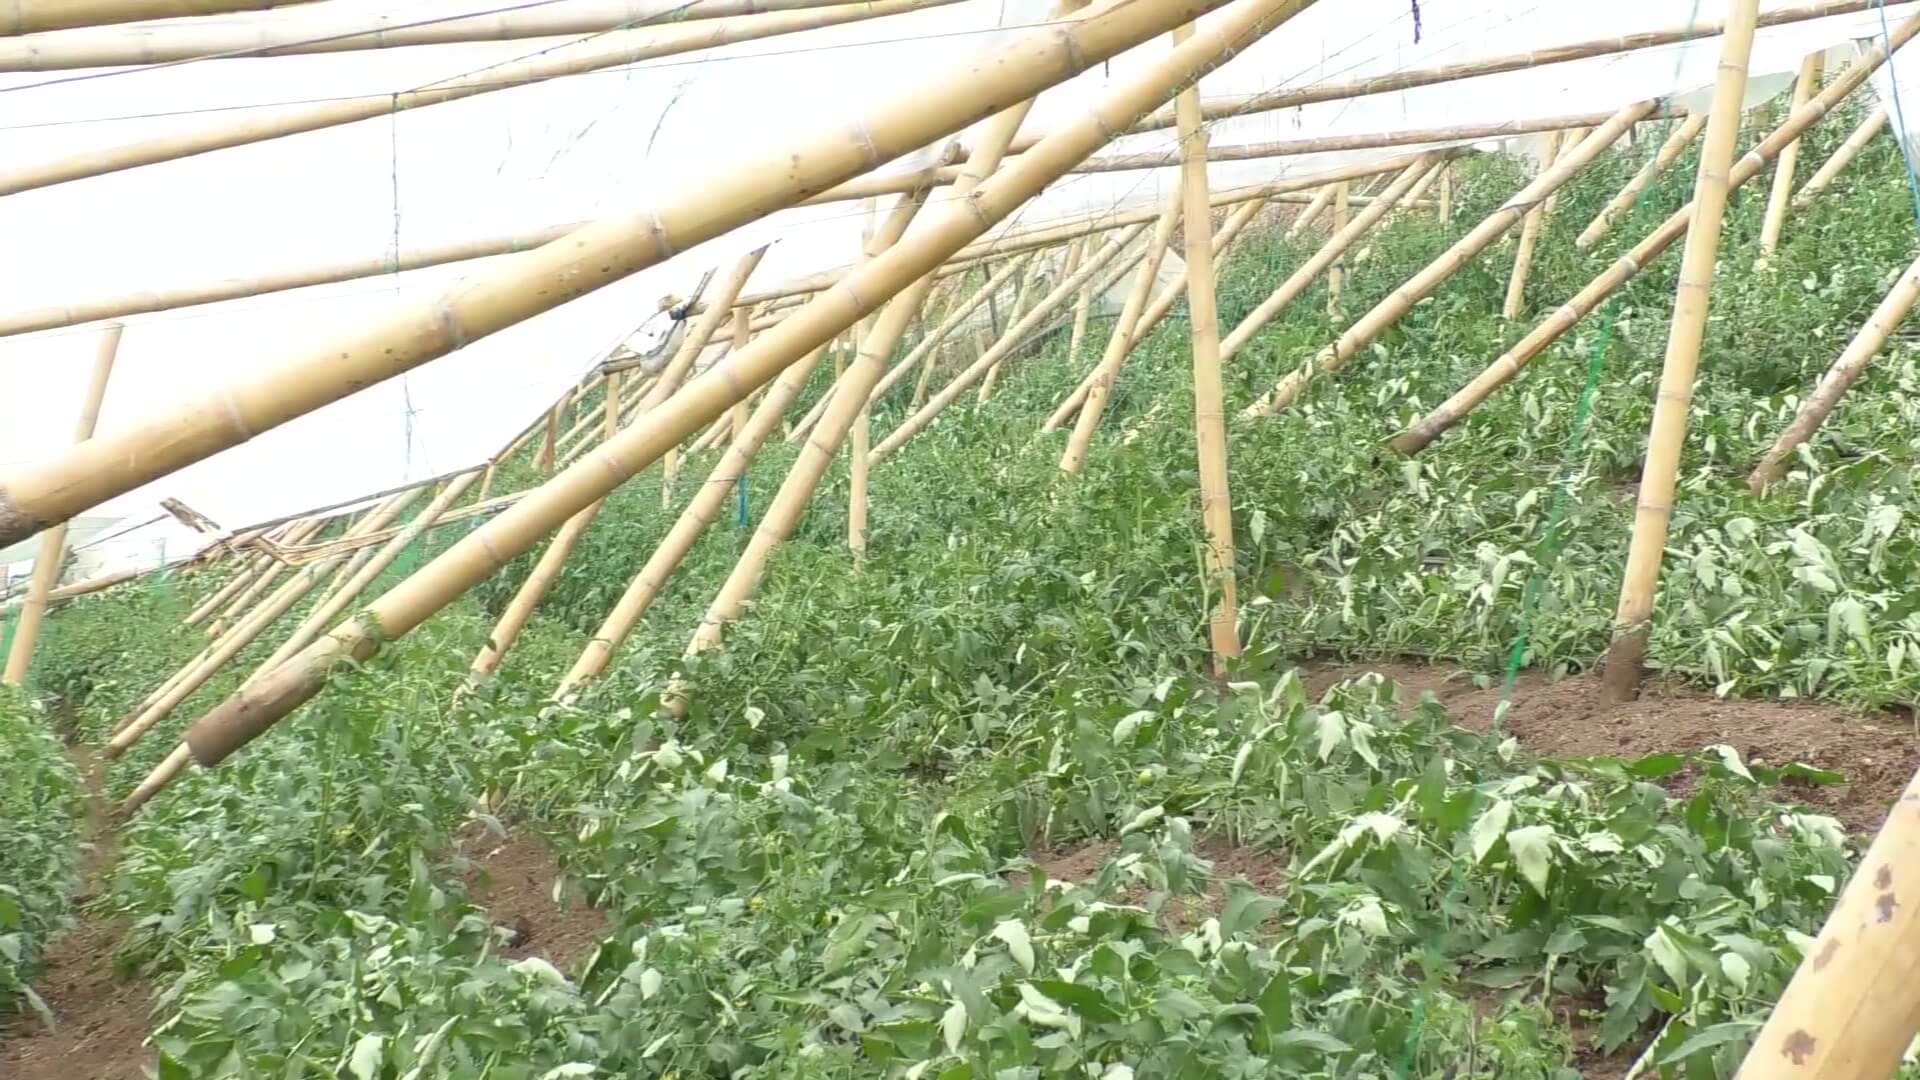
<point>1422,284</point>
<point>1529,236</point>
<point>1653,509</point>
<point>52,555</point>
<point>1676,143</point>
<point>1850,149</point>
<point>1507,366</point>
<point>1804,87</point>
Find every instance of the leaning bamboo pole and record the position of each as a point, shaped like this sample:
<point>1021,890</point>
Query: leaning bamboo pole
<point>1530,235</point>
<point>1853,1005</point>
<point>1850,149</point>
<point>36,16</point>
<point>1567,140</point>
<point>1082,309</point>
<point>1305,274</point>
<point>1337,220</point>
<point>701,511</point>
<point>1120,339</point>
<point>1804,87</point>
<point>1028,68</point>
<point>1853,360</point>
<point>1018,309</point>
<point>884,237</point>
<point>1653,510</point>
<point>620,47</point>
<point>245,601</point>
<point>1422,284</point>
<point>923,352</point>
<point>52,556</point>
<point>241,578</point>
<point>1209,393</point>
<point>1677,141</point>
<point>1306,217</point>
<point>1506,367</point>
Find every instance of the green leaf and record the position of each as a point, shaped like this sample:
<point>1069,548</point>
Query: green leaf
<point>848,939</point>
<point>953,1026</point>
<point>1488,830</point>
<point>1709,1037</point>
<point>1656,766</point>
<point>368,1053</point>
<point>1331,728</point>
<point>1302,1039</point>
<point>1276,1002</point>
<point>1533,852</point>
<point>1084,1000</point>
<point>1014,933</point>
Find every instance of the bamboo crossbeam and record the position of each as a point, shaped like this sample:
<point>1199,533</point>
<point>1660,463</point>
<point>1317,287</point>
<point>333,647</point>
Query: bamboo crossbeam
<point>1804,87</point>
<point>36,16</point>
<point>51,558</point>
<point>1653,508</point>
<point>1853,360</point>
<point>1507,366</point>
<point>323,32</point>
<point>1530,235</point>
<point>1823,177</point>
<point>1030,62</point>
<point>1676,143</point>
<point>1422,284</point>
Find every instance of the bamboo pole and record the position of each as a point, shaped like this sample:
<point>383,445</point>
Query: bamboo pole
<point>35,16</point>
<point>1014,336</point>
<point>614,49</point>
<point>888,233</point>
<point>1422,284</point>
<point>52,556</point>
<point>1529,236</point>
<point>701,512</point>
<point>1568,140</point>
<point>1445,199</point>
<point>243,717</point>
<point>245,601</point>
<point>1082,308</point>
<point>1304,275</point>
<point>1853,360</point>
<point>1853,1005</point>
<point>544,461</point>
<point>1856,142</point>
<point>1677,141</point>
<point>1620,680</point>
<point>1306,218</point>
<point>1019,308</point>
<point>234,584</point>
<point>1804,87</point>
<point>1120,340</point>
<point>1507,366</point>
<point>1209,394</point>
<point>923,351</point>
<point>1336,273</point>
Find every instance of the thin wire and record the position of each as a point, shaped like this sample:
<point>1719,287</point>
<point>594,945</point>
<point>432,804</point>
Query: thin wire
<point>1899,113</point>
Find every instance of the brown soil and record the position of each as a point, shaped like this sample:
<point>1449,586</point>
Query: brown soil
<point>512,879</point>
<point>1564,718</point>
<point>100,1017</point>
<point>1266,871</point>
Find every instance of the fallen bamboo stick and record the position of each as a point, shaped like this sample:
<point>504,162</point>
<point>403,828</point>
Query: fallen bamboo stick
<point>1677,142</point>
<point>1856,142</point>
<point>1804,87</point>
<point>1422,284</point>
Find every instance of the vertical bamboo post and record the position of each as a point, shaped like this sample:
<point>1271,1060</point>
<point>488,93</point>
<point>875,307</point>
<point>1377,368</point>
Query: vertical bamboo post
<point>1625,656</point>
<point>1305,218</point>
<point>1019,308</point>
<point>1336,274</point>
<point>53,544</point>
<point>1676,143</point>
<point>1209,394</point>
<point>742,330</point>
<point>1529,236</point>
<point>1804,88</point>
<point>1856,142</point>
<point>1834,384</point>
<point>1120,341</point>
<point>544,461</point>
<point>1444,208</point>
<point>884,235</point>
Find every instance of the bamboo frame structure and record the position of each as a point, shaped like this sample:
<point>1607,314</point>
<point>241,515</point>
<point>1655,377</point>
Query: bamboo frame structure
<point>1018,309</point>
<point>1653,509</point>
<point>1846,369</point>
<point>1337,220</point>
<point>610,50</point>
<point>1506,367</point>
<point>1530,235</point>
<point>1676,143</point>
<point>924,350</point>
<point>52,555</point>
<point>1314,208</point>
<point>1823,177</point>
<point>1023,64</point>
<point>36,16</point>
<point>1804,87</point>
<point>1401,300</point>
<point>1567,140</point>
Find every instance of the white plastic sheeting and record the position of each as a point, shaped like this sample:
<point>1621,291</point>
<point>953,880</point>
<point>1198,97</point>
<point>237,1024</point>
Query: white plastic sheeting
<point>595,144</point>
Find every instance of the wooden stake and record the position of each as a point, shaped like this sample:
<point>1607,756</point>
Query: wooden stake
<point>1677,142</point>
<point>1621,679</point>
<point>1856,142</point>
<point>1529,235</point>
<point>1422,284</point>
<point>1804,88</point>
<point>1834,384</point>
<point>52,556</point>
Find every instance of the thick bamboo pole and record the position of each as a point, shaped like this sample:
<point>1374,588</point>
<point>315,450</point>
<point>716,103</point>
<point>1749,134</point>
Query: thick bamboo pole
<point>924,350</point>
<point>1529,236</point>
<point>1856,142</point>
<point>1209,394</point>
<point>323,31</point>
<point>614,49</point>
<point>1422,284</point>
<point>943,231</point>
<point>1336,273</point>
<point>1853,1005</point>
<point>1678,140</point>
<point>1804,88</point>
<point>52,556</point>
<point>35,16</point>
<point>1120,340</point>
<point>1853,360</point>
<point>1620,680</point>
<point>1014,336</point>
<point>1304,275</point>
<point>1507,367</point>
<point>701,512</point>
<point>1314,209</point>
<point>52,491</point>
